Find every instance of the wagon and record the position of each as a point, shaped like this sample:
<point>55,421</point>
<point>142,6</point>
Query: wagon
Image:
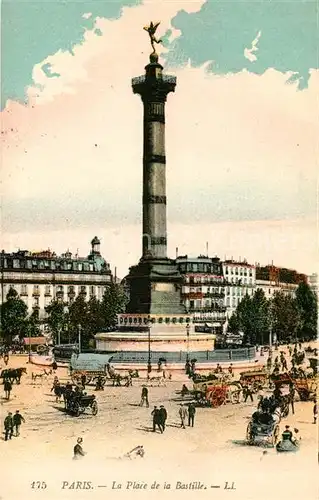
<point>306,387</point>
<point>91,376</point>
<point>216,392</point>
<point>256,379</point>
<point>77,405</point>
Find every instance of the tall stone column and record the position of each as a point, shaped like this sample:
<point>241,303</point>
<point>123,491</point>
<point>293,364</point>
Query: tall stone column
<point>153,88</point>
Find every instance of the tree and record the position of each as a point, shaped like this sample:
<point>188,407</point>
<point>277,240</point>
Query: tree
<point>234,323</point>
<point>78,319</point>
<point>285,315</point>
<point>252,316</point>
<point>95,320</point>
<point>308,306</point>
<point>57,319</point>
<point>113,303</point>
<point>13,316</point>
<point>33,324</point>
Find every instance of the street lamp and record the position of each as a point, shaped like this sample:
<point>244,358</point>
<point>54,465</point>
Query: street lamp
<point>80,328</point>
<point>187,336</point>
<point>149,364</point>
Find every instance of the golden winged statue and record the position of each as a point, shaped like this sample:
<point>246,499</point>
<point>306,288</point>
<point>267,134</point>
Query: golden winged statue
<point>151,29</point>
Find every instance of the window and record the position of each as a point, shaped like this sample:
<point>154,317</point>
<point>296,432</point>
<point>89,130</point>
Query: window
<point>82,289</point>
<point>181,320</point>
<point>92,290</point>
<point>47,290</point>
<point>24,290</point>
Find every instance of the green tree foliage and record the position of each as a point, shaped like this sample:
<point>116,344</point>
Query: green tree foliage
<point>113,303</point>
<point>252,318</point>
<point>33,325</point>
<point>57,319</point>
<point>285,316</point>
<point>14,314</point>
<point>308,306</point>
<point>233,323</point>
<point>90,316</point>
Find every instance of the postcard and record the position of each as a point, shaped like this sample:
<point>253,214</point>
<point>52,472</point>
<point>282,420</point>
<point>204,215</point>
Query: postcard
<point>159,286</point>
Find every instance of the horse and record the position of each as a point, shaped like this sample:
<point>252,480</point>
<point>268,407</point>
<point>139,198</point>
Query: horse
<point>13,374</point>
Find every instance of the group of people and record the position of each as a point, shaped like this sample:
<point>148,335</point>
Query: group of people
<point>12,423</point>
<point>185,412</point>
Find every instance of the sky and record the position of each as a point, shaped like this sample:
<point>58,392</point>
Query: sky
<point>242,127</point>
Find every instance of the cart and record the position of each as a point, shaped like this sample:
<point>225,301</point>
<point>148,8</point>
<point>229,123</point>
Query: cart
<point>306,387</point>
<point>91,376</point>
<point>256,379</point>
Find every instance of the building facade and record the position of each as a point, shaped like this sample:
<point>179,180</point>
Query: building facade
<point>272,279</point>
<point>203,292</point>
<point>239,280</point>
<point>41,277</point>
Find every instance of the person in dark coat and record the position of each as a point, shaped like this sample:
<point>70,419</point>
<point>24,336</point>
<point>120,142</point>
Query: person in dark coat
<point>7,388</point>
<point>191,414</point>
<point>8,426</point>
<point>156,419</point>
<point>162,417</point>
<point>17,421</point>
<point>83,380</point>
<point>54,366</point>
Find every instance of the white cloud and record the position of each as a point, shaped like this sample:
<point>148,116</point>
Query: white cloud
<point>249,53</point>
<point>87,15</point>
<point>78,144</point>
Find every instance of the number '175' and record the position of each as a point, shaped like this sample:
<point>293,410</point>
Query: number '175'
<point>38,485</point>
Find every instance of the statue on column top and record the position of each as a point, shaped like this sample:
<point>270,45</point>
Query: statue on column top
<point>151,29</point>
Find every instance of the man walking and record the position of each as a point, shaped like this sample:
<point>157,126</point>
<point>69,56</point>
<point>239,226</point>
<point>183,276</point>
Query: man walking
<point>144,396</point>
<point>7,388</point>
<point>183,415</point>
<point>156,419</point>
<point>8,426</point>
<point>162,417</point>
<point>191,414</point>
<point>292,397</point>
<point>247,393</point>
<point>17,420</point>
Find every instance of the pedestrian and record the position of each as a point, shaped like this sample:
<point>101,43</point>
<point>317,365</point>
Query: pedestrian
<point>7,386</point>
<point>247,393</point>
<point>83,380</point>
<point>54,366</point>
<point>162,417</point>
<point>78,450</point>
<point>230,369</point>
<point>156,419</point>
<point>315,411</point>
<point>292,396</point>
<point>183,415</point>
<point>191,414</point>
<point>17,420</point>
<point>8,426</point>
<point>144,396</point>
<point>6,358</point>
<point>269,363</point>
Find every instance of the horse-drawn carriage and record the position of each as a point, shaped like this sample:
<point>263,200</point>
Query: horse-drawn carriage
<point>216,390</point>
<point>75,405</point>
<point>255,379</point>
<point>263,428</point>
<point>305,387</point>
<point>92,366</point>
